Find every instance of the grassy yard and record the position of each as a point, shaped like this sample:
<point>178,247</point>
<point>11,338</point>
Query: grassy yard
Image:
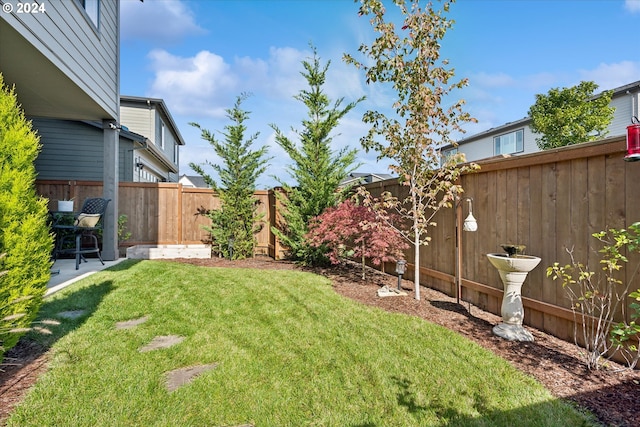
<point>288,352</point>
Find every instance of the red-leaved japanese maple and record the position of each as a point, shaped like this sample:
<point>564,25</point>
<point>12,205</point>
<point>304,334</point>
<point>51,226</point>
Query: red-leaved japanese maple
<point>353,231</point>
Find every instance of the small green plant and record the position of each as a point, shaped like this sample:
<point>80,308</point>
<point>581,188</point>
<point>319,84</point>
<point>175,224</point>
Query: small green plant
<point>123,233</point>
<point>625,335</point>
<point>595,299</point>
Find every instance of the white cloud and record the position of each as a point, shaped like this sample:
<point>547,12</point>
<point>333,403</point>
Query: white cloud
<point>199,85</point>
<point>157,20</point>
<point>610,76</point>
<point>632,6</point>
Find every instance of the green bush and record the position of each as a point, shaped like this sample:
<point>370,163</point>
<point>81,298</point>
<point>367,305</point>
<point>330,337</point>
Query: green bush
<point>24,233</point>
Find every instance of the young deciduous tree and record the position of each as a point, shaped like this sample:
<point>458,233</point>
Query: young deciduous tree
<point>317,169</point>
<point>25,237</point>
<point>409,60</point>
<point>356,231</point>
<point>571,115</point>
<point>235,224</point>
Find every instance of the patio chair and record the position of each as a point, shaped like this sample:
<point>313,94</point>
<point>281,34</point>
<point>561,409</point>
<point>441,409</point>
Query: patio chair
<point>87,223</point>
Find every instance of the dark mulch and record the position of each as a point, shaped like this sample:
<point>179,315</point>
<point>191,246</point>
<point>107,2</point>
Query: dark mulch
<point>612,393</point>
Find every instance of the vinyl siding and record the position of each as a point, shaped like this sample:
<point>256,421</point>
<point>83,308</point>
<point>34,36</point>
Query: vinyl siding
<point>74,151</point>
<point>86,55</point>
<point>481,146</point>
<point>138,119</point>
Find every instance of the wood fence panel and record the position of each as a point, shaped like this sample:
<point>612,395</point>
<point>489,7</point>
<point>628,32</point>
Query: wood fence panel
<point>536,231</point>
<point>547,201</point>
<point>548,231</point>
<point>195,202</point>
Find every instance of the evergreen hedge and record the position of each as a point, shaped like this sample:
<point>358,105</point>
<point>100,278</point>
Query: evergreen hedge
<point>25,238</point>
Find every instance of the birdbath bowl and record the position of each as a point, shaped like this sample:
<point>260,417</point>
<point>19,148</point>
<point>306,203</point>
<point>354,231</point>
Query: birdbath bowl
<point>513,270</point>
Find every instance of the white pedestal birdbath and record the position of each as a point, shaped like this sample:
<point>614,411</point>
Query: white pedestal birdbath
<point>513,270</point>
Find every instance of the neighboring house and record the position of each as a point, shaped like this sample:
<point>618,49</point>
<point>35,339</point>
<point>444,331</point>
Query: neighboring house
<point>158,160</point>
<point>516,138</point>
<point>64,62</point>
<point>193,181</point>
<point>355,178</point>
<point>72,150</point>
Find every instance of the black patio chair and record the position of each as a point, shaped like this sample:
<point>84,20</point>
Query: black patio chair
<point>87,223</point>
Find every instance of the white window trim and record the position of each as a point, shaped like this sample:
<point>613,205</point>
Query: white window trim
<point>516,150</point>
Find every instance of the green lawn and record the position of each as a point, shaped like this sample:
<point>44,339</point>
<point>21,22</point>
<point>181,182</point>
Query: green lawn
<point>289,352</point>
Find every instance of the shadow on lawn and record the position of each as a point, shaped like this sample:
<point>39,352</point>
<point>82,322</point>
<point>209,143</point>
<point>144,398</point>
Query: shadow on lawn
<point>76,307</point>
<point>547,413</point>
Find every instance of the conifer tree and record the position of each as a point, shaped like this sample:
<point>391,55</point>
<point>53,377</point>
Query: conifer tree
<point>235,224</point>
<point>25,239</point>
<point>317,169</point>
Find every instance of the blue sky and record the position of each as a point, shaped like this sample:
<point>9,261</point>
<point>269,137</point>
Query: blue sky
<point>199,55</point>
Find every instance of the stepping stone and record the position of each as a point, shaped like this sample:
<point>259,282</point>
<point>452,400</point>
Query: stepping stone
<point>387,291</point>
<point>131,323</point>
<point>179,377</point>
<point>162,342</point>
<point>71,314</point>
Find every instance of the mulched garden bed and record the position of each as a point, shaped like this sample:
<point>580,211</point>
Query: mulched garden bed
<point>612,393</point>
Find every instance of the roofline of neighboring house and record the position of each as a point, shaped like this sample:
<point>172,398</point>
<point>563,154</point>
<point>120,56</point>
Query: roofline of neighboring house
<point>159,155</point>
<point>144,142</point>
<point>163,107</point>
<point>507,126</point>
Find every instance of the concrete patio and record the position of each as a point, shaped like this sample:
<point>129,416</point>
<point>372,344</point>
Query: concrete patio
<point>64,273</point>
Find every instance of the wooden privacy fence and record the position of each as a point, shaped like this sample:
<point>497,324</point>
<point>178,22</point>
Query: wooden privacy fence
<point>548,201</point>
<point>162,213</point>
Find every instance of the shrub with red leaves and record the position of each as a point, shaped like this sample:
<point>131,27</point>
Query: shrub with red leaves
<point>352,231</point>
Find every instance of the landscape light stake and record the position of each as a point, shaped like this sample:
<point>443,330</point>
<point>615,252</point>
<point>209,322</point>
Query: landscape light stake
<point>400,266</point>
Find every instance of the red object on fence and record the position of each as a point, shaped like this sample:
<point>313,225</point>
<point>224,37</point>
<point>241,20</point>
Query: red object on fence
<point>633,142</point>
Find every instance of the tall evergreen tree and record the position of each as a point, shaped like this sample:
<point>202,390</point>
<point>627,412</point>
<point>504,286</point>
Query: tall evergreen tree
<point>316,169</point>
<point>25,238</point>
<point>234,225</point>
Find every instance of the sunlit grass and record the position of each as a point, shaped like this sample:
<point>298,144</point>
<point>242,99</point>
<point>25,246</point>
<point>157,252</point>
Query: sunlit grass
<point>289,352</point>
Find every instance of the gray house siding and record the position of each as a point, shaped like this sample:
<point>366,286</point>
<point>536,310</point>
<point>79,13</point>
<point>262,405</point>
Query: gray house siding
<point>625,100</point>
<point>74,56</point>
<point>73,150</point>
<point>137,119</point>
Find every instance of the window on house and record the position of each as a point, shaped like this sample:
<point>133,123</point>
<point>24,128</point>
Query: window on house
<point>508,143</point>
<point>444,154</point>
<point>161,135</point>
<point>175,153</point>
<point>92,7</point>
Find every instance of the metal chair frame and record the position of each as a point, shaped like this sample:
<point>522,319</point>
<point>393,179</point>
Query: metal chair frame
<point>90,206</point>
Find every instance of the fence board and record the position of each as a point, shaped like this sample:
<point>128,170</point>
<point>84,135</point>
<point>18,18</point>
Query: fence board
<point>547,201</point>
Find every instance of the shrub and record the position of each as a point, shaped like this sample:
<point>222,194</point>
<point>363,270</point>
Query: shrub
<point>595,299</point>
<point>352,231</point>
<point>24,233</point>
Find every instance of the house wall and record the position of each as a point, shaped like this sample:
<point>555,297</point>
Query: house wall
<point>481,146</point>
<point>147,119</point>
<point>73,150</point>
<point>88,56</point>
<point>138,119</point>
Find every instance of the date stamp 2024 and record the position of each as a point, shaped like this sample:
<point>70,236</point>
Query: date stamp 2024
<point>20,8</point>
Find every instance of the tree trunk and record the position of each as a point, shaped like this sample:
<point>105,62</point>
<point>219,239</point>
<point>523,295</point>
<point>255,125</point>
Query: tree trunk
<point>416,259</point>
